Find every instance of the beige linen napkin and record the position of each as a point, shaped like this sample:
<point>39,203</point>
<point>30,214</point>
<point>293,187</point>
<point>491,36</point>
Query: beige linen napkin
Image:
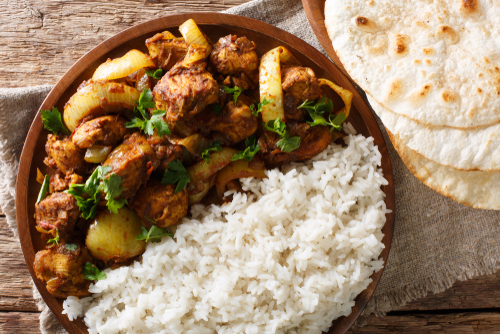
<point>436,241</point>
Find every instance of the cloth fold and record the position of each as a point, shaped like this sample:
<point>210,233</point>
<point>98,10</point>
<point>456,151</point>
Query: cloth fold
<point>436,240</point>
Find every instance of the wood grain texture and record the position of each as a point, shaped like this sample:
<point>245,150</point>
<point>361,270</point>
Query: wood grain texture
<point>19,323</point>
<point>41,39</point>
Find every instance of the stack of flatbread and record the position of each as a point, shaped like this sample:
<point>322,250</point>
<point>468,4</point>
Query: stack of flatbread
<point>431,71</point>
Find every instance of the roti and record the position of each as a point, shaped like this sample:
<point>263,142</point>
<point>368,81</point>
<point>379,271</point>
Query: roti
<point>436,62</point>
<point>478,189</point>
<point>465,149</point>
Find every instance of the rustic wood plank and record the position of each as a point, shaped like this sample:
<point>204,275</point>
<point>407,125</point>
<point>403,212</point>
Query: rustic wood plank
<point>473,322</point>
<point>15,287</point>
<point>41,39</point>
<point>19,322</point>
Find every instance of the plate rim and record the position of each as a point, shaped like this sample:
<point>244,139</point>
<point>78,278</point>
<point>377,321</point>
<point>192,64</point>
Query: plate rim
<point>167,22</point>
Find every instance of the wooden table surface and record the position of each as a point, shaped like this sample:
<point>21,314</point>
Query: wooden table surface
<point>41,39</point>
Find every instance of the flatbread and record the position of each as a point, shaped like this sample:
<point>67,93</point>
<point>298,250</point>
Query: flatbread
<point>474,149</point>
<point>478,189</point>
<point>436,62</point>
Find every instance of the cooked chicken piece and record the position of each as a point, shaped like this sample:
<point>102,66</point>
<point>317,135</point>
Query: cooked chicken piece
<point>299,84</point>
<point>166,51</point>
<point>185,90</point>
<point>313,140</point>
<point>57,211</point>
<point>165,151</point>
<point>231,55</point>
<point>62,269</point>
<point>243,80</point>
<point>60,182</point>
<point>62,154</point>
<point>133,161</point>
<point>160,204</point>
<point>236,122</point>
<point>105,130</point>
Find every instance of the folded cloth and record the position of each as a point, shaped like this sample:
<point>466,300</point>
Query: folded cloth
<point>436,240</point>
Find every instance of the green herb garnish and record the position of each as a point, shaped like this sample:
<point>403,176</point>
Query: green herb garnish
<point>155,74</point>
<point>259,106</point>
<point>142,120</point>
<point>71,247</point>
<point>214,147</point>
<point>286,143</point>
<point>176,174</point>
<point>154,234</point>
<point>236,92</point>
<point>316,111</point>
<point>88,195</point>
<point>52,121</point>
<point>250,151</point>
<point>216,109</point>
<point>45,188</point>
<point>54,241</point>
<point>91,273</point>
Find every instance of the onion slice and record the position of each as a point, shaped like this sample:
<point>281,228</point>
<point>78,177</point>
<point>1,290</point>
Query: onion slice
<point>236,170</point>
<point>287,58</point>
<point>123,66</point>
<point>195,144</point>
<point>344,94</point>
<point>97,154</point>
<point>195,53</point>
<point>197,191</point>
<point>193,35</point>
<point>217,161</point>
<point>98,98</point>
<point>270,85</point>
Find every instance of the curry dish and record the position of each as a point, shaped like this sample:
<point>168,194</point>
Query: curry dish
<point>150,135</point>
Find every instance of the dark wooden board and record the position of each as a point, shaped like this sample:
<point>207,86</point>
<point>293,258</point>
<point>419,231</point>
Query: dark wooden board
<point>215,26</point>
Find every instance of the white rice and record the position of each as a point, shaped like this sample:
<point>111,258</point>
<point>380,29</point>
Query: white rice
<point>289,257</point>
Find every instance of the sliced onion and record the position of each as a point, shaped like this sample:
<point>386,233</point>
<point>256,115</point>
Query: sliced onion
<point>123,66</point>
<point>98,98</point>
<point>195,144</point>
<point>97,154</point>
<point>287,58</point>
<point>217,161</point>
<point>197,191</point>
<point>344,94</point>
<point>270,85</point>
<point>193,35</point>
<point>236,170</point>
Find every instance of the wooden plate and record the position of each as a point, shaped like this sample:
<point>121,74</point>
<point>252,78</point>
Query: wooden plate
<point>215,25</point>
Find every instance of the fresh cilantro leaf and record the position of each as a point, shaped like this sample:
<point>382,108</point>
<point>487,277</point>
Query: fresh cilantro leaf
<point>45,188</point>
<point>92,273</point>
<point>54,241</point>
<point>159,124</point>
<point>154,234</point>
<point>145,100</point>
<point>277,126</point>
<point>286,143</point>
<point>214,147</point>
<point>259,106</point>
<point>52,121</point>
<point>236,91</point>
<point>155,74</point>
<point>142,120</point>
<point>176,173</point>
<point>316,111</point>
<point>323,105</point>
<point>217,109</point>
<point>71,247</point>
<point>112,187</point>
<point>88,195</point>
<point>250,151</point>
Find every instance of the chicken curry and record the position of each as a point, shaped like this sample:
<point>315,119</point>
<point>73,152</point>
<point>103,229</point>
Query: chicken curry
<point>150,135</point>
